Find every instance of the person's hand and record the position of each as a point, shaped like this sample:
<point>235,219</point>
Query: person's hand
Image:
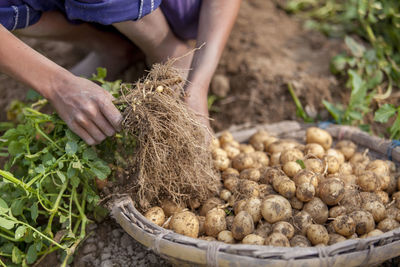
<point>87,109</point>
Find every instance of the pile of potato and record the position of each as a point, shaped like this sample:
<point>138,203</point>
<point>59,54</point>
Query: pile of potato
<point>283,193</point>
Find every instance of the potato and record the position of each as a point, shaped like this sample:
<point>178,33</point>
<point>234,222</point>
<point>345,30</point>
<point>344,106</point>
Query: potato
<point>242,225</point>
<point>300,241</point>
<point>266,190</point>
<point>296,203</point>
<point>276,208</point>
<point>337,211</point>
<point>221,163</point>
<point>351,200</point>
<point>269,141</point>
<point>185,223</point>
<point>249,188</point>
<point>268,174</point>
<point>392,212</point>
<point>281,145</point>
<point>345,168</point>
<point>317,210</point>
<point>225,194</point>
<point>232,184</point>
<point>381,169</point>
<point>331,191</point>
<point>333,164</point>
<point>242,161</point>
<point>347,147</point>
<point>218,153</point>
<point>376,208</point>
<point>344,225</point>
<point>170,208</point>
<point>388,224</point>
<point>291,155</point>
<point>239,206</point>
<point>253,239</point>
<point>215,222</point>
<point>260,159</point>
<point>225,137</point>
<point>253,207</point>
<point>274,159</point>
<point>231,150</point>
<point>336,154</point>
<point>374,233</point>
<point>155,215</point>
<point>226,237</point>
<point>209,204</point>
<point>201,220</point>
<point>194,203</point>
<point>382,197</point>
<point>314,165</point>
<point>319,136</point>
<point>263,229</point>
<point>359,159</point>
<point>291,168</point>
<point>257,140</point>
<point>364,221</point>
<point>317,234</point>
<point>354,236</point>
<point>250,174</point>
<point>392,187</point>
<point>229,222</point>
<point>315,150</point>
<point>368,181</point>
<point>305,192</point>
<point>229,172</point>
<point>335,238</point>
<point>284,186</point>
<point>307,177</point>
<point>301,221</point>
<point>214,144</point>
<point>208,238</point>
<point>244,148</point>
<point>348,179</point>
<point>277,240</point>
<point>284,228</point>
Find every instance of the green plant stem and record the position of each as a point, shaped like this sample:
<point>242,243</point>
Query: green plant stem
<point>55,209</point>
<point>47,137</point>
<point>8,237</point>
<point>8,176</point>
<point>1,262</point>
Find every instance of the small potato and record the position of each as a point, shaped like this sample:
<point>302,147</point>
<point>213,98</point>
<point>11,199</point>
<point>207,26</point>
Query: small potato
<point>282,145</point>
<point>317,209</point>
<point>194,203</point>
<point>229,172</point>
<point>253,207</point>
<point>250,174</point>
<point>335,238</point>
<point>317,234</point>
<point>170,208</point>
<point>276,208</point>
<point>347,147</point>
<point>337,211</point>
<point>388,224</point>
<point>291,155</point>
<point>244,148</point>
<point>260,159</point>
<point>381,169</point>
<point>242,225</point>
<point>242,161</point>
<point>354,236</point>
<point>392,187</point>
<point>376,208</point>
<point>315,150</point>
<point>218,153</point>
<point>249,188</point>
<point>226,237</point>
<point>231,150</point>
<point>364,221</point>
<point>351,200</point>
<point>333,164</point>
<point>225,195</point>
<point>257,140</point>
<point>202,220</point>
<point>331,191</point>
<point>300,241</point>
<point>215,222</point>
<point>207,238</point>
<point>155,215</point>
<point>284,186</point>
<point>214,144</point>
<point>253,239</point>
<point>336,154</point>
<point>229,222</point>
<point>239,206</point>
<point>346,168</point>
<point>314,165</point>
<point>268,174</point>
<point>348,179</point>
<point>392,212</point>
<point>374,233</point>
<point>319,136</point>
<point>269,141</point>
<point>291,168</point>
<point>296,203</point>
<point>368,181</point>
<point>225,137</point>
<point>209,204</point>
<point>277,240</point>
<point>305,192</point>
<point>359,159</point>
<point>307,177</point>
<point>284,228</point>
<point>185,223</point>
<point>266,190</point>
<point>382,197</point>
<point>263,229</point>
<point>301,221</point>
<point>232,184</point>
<point>344,225</point>
<point>275,159</point>
<point>221,164</point>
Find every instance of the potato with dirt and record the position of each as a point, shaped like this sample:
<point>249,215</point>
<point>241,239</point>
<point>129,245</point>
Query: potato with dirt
<point>253,207</point>
<point>277,240</point>
<point>170,208</point>
<point>344,225</point>
<point>314,150</point>
<point>251,174</point>
<point>215,222</point>
<point>314,165</point>
<point>242,161</point>
<point>257,140</point>
<point>364,221</point>
<point>331,191</point>
<point>226,237</point>
<point>243,225</point>
<point>249,188</point>
<point>306,176</point>
<point>284,228</point>
<point>185,223</point>
<point>155,215</point>
<point>291,168</point>
<point>335,238</point>
<point>263,229</point>
<point>291,155</point>
<point>276,208</point>
<point>319,136</point>
<point>388,224</point>
<point>305,192</point>
<point>301,221</point>
<point>317,234</point>
<point>376,208</point>
<point>347,147</point>
<point>317,209</point>
<point>253,239</point>
<point>209,204</point>
<point>300,241</point>
<point>260,159</point>
<point>284,186</point>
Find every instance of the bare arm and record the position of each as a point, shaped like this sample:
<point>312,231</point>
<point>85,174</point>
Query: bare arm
<point>84,106</point>
<point>216,21</point>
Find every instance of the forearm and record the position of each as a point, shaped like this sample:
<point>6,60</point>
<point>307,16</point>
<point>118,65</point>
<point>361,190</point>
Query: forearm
<point>28,66</point>
<point>216,21</point>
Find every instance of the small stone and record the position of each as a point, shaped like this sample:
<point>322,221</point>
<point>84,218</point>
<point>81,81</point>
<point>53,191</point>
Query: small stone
<point>88,258</point>
<point>125,240</point>
<point>152,258</point>
<point>107,263</point>
<point>116,233</point>
<point>89,248</point>
<point>140,255</point>
<point>105,256</point>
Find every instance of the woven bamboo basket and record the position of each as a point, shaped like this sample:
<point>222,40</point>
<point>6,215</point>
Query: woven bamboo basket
<point>184,251</point>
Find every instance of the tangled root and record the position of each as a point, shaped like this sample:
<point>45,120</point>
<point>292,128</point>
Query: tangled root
<point>171,159</point>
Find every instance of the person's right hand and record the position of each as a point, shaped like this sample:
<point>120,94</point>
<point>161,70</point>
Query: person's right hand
<point>86,108</point>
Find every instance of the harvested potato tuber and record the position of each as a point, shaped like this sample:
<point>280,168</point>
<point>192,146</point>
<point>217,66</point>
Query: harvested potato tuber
<point>229,222</point>
<point>336,154</point>
<point>347,147</point>
<point>239,206</point>
<point>253,239</point>
<point>296,203</point>
<point>314,165</point>
<point>170,208</point>
<point>351,200</point>
<point>388,224</point>
<point>226,237</point>
<point>368,181</point>
<point>209,205</point>
<point>250,174</point>
<point>277,240</point>
<point>300,241</point>
<point>317,234</point>
<point>307,177</point>
<point>301,221</point>
<point>242,161</point>
<point>376,208</point>
<point>317,209</point>
<point>185,223</point>
<point>337,211</point>
<point>257,140</point>
<point>276,208</point>
<point>364,221</point>
<point>335,238</point>
<point>229,172</point>
<point>249,188</point>
<point>263,229</point>
<point>333,164</point>
<point>345,168</point>
<point>266,190</point>
<point>225,194</point>
<point>225,137</point>
<point>344,225</point>
<point>260,159</point>
<point>291,155</point>
<point>253,207</point>
<point>291,168</point>
<point>284,186</point>
<point>232,184</point>
<point>242,225</point>
<point>274,159</point>
<point>244,148</point>
<point>215,222</point>
<point>305,192</point>
<point>331,191</point>
<point>155,215</point>
<point>284,228</point>
<point>374,232</point>
<point>201,220</point>
<point>319,136</point>
<point>314,150</point>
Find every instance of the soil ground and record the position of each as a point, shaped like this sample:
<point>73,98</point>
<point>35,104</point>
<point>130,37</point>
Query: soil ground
<point>266,51</point>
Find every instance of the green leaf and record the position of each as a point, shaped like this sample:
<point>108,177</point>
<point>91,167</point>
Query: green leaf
<point>71,172</point>
<point>338,64</point>
<point>15,148</point>
<point>71,136</point>
<point>16,255</point>
<point>384,113</point>
<point>71,147</point>
<point>100,169</point>
<point>17,207</point>
<point>7,224</point>
<point>77,165</point>
<point>61,176</point>
<point>33,95</point>
<point>31,254</point>
<point>356,49</point>
<point>395,129</point>
<point>75,181</point>
<point>40,169</point>
<point>301,163</point>
<point>20,232</point>
<point>3,206</point>
<point>34,211</point>
<point>101,73</point>
<point>89,154</point>
<point>335,112</point>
